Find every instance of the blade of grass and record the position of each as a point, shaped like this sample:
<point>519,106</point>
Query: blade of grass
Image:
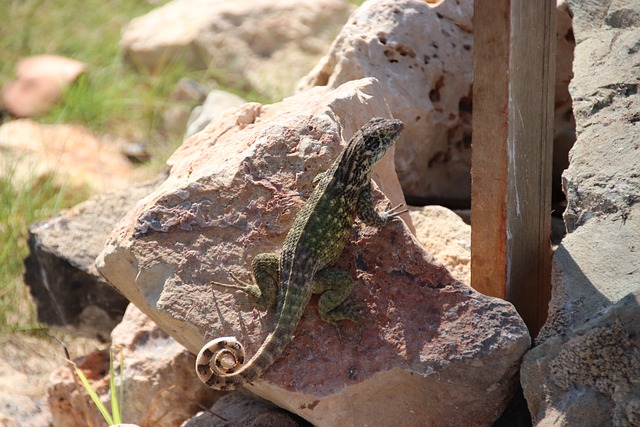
<point>94,396</point>
<point>121,391</point>
<point>115,407</point>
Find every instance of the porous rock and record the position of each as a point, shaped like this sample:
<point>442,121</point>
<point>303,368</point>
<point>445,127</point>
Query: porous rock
<point>60,272</point>
<point>158,389</point>
<point>422,54</point>
<point>40,82</point>
<point>269,44</point>
<point>589,377</point>
<point>431,345</point>
<point>596,265</point>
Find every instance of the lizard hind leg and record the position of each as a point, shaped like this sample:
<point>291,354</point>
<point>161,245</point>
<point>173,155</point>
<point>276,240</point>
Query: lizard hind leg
<point>335,285</point>
<point>219,357</point>
<point>263,292</point>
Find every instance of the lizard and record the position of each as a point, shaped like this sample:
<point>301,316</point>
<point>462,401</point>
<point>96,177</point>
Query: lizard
<point>304,267</point>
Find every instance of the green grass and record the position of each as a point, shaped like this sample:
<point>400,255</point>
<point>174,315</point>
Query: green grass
<point>112,97</point>
<point>34,201</point>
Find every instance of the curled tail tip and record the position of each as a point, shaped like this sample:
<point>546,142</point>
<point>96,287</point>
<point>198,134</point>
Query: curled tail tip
<point>218,359</point>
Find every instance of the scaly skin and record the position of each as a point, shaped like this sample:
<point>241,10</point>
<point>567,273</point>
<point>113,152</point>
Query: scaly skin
<point>312,246</point>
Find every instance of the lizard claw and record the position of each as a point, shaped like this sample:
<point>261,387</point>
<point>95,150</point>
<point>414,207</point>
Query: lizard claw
<point>243,286</point>
<point>396,211</point>
<point>253,291</point>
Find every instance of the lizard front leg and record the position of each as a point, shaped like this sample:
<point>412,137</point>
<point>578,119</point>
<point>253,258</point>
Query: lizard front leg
<point>368,214</point>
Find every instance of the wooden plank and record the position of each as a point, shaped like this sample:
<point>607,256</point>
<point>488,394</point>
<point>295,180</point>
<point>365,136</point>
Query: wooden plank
<point>514,71</point>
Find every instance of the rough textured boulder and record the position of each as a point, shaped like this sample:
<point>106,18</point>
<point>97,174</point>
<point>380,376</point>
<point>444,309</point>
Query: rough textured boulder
<point>431,345</point>
<point>158,388</point>
<point>597,263</point>
<point>591,376</point>
<point>40,82</point>
<point>268,43</point>
<point>60,271</point>
<point>422,54</point>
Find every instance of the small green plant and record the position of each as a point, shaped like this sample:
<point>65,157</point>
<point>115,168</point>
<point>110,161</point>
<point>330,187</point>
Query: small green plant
<point>116,393</point>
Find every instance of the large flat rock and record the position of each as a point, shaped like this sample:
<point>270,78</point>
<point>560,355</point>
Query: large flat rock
<point>431,345</point>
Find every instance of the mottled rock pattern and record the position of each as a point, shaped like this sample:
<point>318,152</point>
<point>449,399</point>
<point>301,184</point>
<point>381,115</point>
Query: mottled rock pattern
<point>269,44</point>
<point>432,345</point>
<point>590,377</point>
<point>67,289</point>
<point>158,385</point>
<point>422,54</point>
<point>596,265</point>
<point>40,83</point>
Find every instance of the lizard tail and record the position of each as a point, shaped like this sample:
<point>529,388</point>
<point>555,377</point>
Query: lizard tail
<point>220,363</point>
<point>226,353</point>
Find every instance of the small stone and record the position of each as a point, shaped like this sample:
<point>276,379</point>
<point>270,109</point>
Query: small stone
<point>41,82</point>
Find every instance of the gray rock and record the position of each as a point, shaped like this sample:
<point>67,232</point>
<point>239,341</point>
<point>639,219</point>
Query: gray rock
<point>60,272</point>
<point>590,377</point>
<point>217,101</point>
<point>596,265</point>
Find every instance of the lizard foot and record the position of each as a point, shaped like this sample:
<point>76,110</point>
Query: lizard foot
<point>395,211</point>
<point>253,291</point>
<point>346,311</point>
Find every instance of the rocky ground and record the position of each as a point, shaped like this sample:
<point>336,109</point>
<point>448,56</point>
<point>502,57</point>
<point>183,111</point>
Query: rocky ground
<point>434,345</point>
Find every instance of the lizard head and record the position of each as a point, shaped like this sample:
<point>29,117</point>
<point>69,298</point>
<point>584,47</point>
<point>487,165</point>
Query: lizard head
<point>378,135</point>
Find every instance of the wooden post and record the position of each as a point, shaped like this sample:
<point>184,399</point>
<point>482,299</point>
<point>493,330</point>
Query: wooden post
<point>513,96</point>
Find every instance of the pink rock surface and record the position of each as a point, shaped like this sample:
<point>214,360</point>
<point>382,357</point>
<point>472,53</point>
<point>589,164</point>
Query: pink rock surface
<point>431,345</point>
